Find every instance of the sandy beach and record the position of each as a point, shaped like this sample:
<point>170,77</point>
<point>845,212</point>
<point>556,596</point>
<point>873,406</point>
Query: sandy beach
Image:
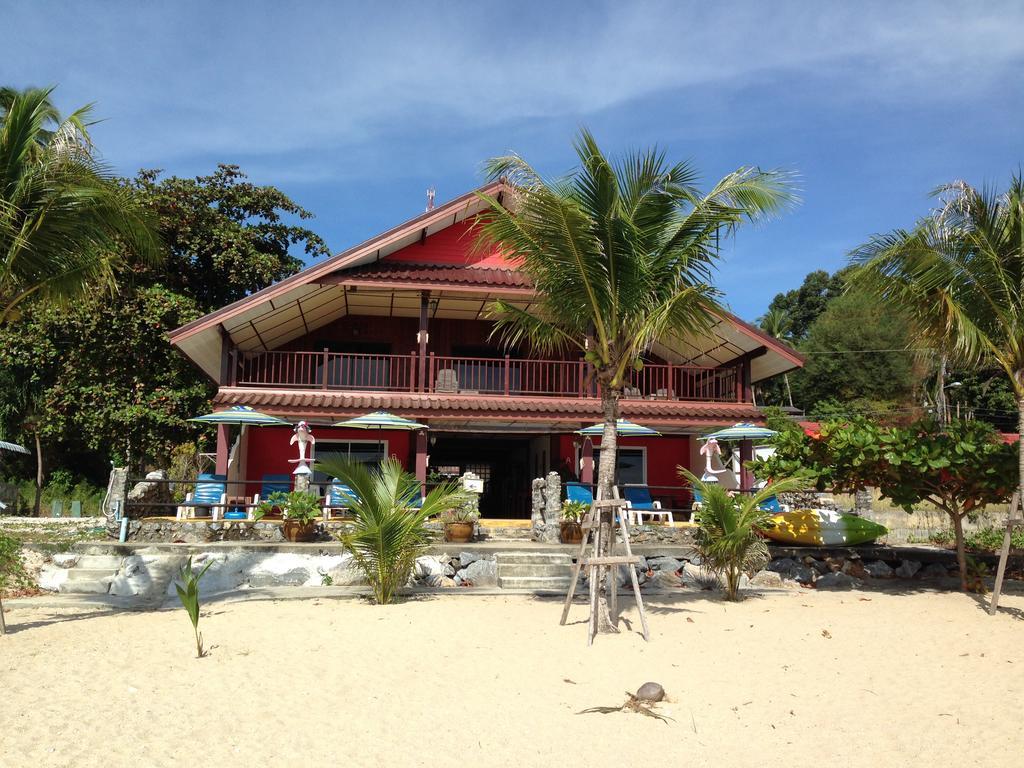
<point>783,678</point>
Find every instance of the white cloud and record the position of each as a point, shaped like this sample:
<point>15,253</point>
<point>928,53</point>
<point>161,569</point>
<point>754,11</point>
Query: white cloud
<point>271,78</point>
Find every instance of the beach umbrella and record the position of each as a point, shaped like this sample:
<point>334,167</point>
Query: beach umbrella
<point>744,431</point>
<point>381,420</point>
<point>14,447</point>
<point>242,415</point>
<point>623,428</point>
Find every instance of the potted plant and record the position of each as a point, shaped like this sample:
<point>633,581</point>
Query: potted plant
<point>570,530</point>
<point>300,510</point>
<point>459,521</point>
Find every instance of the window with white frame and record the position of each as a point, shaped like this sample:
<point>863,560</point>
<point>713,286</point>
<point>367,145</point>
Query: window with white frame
<point>368,452</point>
<point>632,466</point>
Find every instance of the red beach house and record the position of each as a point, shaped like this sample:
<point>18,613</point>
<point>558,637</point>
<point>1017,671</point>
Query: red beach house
<point>399,323</point>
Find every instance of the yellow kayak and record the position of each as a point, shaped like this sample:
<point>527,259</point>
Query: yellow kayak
<point>822,527</point>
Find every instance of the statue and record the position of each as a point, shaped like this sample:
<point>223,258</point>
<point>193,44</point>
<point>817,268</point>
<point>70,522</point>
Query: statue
<point>304,437</point>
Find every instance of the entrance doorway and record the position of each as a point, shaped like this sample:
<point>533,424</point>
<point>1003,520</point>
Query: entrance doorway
<point>501,462</point>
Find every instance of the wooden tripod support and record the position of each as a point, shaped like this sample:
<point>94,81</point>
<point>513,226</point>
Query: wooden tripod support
<point>1014,519</point>
<point>602,564</point>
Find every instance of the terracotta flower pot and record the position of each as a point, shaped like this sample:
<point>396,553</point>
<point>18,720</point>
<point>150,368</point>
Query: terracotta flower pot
<point>570,532</point>
<point>458,533</point>
<point>293,530</point>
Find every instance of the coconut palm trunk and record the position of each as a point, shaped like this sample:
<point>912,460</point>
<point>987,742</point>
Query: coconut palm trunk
<point>605,485</point>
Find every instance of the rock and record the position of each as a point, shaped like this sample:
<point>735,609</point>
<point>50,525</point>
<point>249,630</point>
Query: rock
<point>296,577</point>
<point>789,568</point>
<point>149,492</point>
<point>481,573</point>
<point>446,582</point>
<point>766,579</point>
<point>427,566</point>
<point>65,559</point>
<point>643,566</point>
<point>908,568</point>
<point>855,568</point>
<point>837,580</point>
<point>449,570</point>
<point>818,565</point>
<point>434,580</point>
<point>668,564</point>
<point>341,569</point>
<point>51,578</point>
<point>467,558</point>
<point>878,569</point>
<point>666,580</point>
<point>933,571</point>
<point>650,692</point>
<point>835,564</point>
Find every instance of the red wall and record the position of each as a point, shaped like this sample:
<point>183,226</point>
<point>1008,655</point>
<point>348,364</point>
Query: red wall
<point>664,454</point>
<point>269,451</point>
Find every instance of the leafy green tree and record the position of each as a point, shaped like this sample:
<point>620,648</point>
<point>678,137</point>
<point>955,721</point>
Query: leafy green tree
<point>959,276</point>
<point>620,254</point>
<point>855,351</point>
<point>226,236</point>
<point>960,467</point>
<point>96,381</point>
<point>802,306</point>
<point>777,323</point>
<point>728,528</point>
<point>388,533</point>
<point>64,221</point>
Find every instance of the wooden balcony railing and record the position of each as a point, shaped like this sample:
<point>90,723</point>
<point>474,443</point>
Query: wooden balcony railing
<point>504,376</point>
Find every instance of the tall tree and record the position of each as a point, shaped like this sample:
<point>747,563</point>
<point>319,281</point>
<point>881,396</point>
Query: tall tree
<point>620,254</point>
<point>959,274</point>
<point>64,221</point>
<point>803,305</point>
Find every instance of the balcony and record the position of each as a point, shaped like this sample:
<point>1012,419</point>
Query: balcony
<point>505,376</point>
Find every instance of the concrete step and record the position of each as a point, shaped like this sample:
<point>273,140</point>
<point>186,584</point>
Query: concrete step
<point>533,569</point>
<point>554,583</point>
<point>539,558</point>
<point>106,562</point>
<point>88,580</point>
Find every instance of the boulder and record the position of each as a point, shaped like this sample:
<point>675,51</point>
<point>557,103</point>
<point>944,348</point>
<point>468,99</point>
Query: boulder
<point>65,559</point>
<point>788,568</point>
<point>855,568</point>
<point>837,580</point>
<point>642,566</point>
<point>666,580</point>
<point>908,568</point>
<point>818,565</point>
<point>466,558</point>
<point>427,566</point>
<point>878,569</point>
<point>145,496</point>
<point>341,569</point>
<point>51,578</point>
<point>296,577</point>
<point>766,579</point>
<point>933,571</point>
<point>667,564</point>
<point>481,573</point>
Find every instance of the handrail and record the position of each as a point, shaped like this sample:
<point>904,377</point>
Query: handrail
<point>504,376</point>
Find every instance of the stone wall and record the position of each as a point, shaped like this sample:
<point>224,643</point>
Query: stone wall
<point>44,528</point>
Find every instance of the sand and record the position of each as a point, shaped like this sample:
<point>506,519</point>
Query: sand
<point>805,677</point>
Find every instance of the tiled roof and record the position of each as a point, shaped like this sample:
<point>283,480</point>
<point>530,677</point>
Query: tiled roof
<point>438,275</point>
<point>498,408</point>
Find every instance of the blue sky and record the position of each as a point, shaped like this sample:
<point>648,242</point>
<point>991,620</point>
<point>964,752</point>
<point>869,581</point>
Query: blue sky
<point>354,109</point>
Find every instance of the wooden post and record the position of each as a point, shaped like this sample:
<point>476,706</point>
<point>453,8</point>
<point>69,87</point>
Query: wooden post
<point>1014,517</point>
<point>430,374</point>
<point>413,381</point>
<point>326,360</point>
<point>421,460</point>
<point>223,436</point>
<point>506,375</point>
<point>422,335</point>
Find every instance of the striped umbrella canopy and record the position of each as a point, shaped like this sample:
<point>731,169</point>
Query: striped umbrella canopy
<point>381,420</point>
<point>5,446</point>
<point>623,427</point>
<point>744,431</point>
<point>240,414</point>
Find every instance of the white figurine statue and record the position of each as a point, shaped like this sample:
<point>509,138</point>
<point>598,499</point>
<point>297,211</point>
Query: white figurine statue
<point>304,437</point>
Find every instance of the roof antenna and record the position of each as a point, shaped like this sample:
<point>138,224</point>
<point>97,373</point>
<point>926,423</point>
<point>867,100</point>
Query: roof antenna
<point>430,198</point>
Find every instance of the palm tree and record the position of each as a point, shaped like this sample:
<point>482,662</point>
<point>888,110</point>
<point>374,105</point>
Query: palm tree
<point>620,255</point>
<point>388,533</point>
<point>777,323</point>
<point>960,275</point>
<point>727,536</point>
<point>64,220</point>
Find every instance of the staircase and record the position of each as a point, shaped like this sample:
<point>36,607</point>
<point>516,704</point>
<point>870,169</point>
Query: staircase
<point>542,571</point>
<point>82,574</point>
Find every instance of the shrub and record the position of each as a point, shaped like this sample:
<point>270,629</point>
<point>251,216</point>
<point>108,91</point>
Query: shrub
<point>573,511</point>
<point>388,533</point>
<point>727,536</point>
<point>467,511</point>
<point>301,506</point>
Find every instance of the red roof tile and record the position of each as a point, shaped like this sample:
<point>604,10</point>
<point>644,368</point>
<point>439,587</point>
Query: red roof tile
<point>497,408</point>
<point>488,277</point>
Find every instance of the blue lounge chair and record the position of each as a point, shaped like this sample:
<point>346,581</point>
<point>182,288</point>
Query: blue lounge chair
<point>771,504</point>
<point>339,497</point>
<point>639,503</point>
<point>579,492</point>
<point>210,493</point>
